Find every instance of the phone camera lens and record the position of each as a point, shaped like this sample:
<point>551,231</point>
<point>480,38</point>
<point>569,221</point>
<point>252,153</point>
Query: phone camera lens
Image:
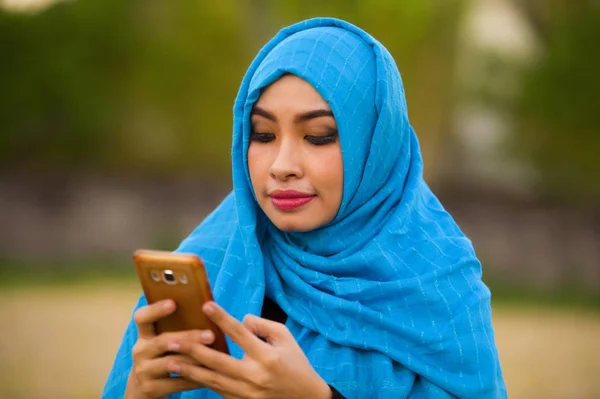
<point>169,277</point>
<point>155,275</point>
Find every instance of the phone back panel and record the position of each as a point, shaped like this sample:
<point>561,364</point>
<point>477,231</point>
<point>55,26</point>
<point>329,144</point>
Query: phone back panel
<point>182,278</point>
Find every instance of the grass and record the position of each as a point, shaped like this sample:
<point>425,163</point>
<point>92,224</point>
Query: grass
<point>17,274</point>
<point>61,329</point>
<point>58,341</point>
<point>567,296</point>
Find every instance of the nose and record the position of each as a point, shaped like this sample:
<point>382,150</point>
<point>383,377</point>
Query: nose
<point>287,163</point>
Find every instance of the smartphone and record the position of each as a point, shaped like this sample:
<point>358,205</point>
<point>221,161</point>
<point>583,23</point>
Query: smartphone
<point>182,278</point>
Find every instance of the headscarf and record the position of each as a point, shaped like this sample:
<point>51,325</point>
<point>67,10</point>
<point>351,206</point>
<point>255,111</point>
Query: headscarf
<point>386,300</point>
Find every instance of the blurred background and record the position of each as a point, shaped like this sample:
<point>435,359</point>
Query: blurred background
<point>115,134</point>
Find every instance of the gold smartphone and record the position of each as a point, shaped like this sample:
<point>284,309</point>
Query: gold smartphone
<point>182,278</point>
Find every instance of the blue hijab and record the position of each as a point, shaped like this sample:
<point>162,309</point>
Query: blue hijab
<point>386,300</point>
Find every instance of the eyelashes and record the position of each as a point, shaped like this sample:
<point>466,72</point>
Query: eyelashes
<point>262,137</point>
<point>314,140</point>
<point>321,140</point>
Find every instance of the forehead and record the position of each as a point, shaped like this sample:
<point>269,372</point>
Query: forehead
<point>291,93</point>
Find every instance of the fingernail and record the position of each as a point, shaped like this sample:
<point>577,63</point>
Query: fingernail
<point>206,336</point>
<point>173,346</point>
<point>168,305</point>
<point>209,308</point>
<point>174,368</point>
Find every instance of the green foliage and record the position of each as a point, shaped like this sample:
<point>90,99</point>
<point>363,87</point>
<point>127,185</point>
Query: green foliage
<point>559,108</point>
<point>112,84</point>
<point>61,82</point>
<point>148,86</point>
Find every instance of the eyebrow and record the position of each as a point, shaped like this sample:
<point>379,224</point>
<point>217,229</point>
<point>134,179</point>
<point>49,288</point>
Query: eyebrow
<point>318,113</point>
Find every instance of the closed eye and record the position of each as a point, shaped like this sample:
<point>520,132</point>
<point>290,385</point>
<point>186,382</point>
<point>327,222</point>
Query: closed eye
<point>322,140</point>
<point>262,137</point>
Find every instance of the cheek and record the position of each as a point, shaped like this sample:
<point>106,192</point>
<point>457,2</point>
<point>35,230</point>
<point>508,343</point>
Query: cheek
<point>260,160</point>
<point>255,164</point>
<point>329,174</point>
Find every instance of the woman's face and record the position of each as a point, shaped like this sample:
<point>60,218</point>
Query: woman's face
<point>294,158</point>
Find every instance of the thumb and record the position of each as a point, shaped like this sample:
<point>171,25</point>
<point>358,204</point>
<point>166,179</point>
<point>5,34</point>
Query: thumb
<point>271,331</point>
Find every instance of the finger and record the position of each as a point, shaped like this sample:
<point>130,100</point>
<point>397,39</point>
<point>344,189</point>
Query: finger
<point>211,358</point>
<point>159,345</point>
<point>159,368</point>
<point>239,334</point>
<point>272,331</point>
<point>210,379</point>
<point>166,386</point>
<point>146,316</point>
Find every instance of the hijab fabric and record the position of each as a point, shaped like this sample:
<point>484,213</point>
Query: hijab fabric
<point>386,300</point>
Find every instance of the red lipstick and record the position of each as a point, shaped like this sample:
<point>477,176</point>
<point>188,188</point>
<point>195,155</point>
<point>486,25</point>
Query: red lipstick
<point>289,200</point>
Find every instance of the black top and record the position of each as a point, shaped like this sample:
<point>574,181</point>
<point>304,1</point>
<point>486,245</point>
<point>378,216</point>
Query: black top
<point>272,311</point>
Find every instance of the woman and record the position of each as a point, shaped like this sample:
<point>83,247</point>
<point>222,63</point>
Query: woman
<point>331,230</point>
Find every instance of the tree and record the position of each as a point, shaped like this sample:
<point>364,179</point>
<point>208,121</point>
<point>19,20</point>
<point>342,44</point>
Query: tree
<point>148,86</point>
<point>558,110</point>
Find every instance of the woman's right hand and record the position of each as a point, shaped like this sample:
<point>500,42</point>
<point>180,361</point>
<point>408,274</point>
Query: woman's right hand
<point>150,378</point>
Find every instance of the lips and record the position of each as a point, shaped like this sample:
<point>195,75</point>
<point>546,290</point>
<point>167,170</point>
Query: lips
<point>290,200</point>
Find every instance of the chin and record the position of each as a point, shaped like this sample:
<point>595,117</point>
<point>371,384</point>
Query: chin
<point>293,222</point>
<point>291,226</point>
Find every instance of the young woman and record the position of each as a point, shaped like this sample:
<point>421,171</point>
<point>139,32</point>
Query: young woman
<point>366,286</point>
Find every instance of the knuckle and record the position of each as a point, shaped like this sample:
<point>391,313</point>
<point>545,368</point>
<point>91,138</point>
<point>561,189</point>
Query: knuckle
<point>145,387</point>
<point>136,373</point>
<point>262,380</point>
<point>272,359</point>
<point>283,330</point>
<point>141,370</point>
<point>138,316</point>
<point>137,351</point>
<point>214,381</point>
<point>281,326</point>
<point>162,342</point>
<point>238,329</point>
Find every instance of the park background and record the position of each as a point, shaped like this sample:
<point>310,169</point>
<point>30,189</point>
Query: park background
<point>115,134</point>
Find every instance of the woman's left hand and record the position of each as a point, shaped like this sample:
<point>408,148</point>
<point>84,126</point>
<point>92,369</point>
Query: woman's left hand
<point>274,369</point>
